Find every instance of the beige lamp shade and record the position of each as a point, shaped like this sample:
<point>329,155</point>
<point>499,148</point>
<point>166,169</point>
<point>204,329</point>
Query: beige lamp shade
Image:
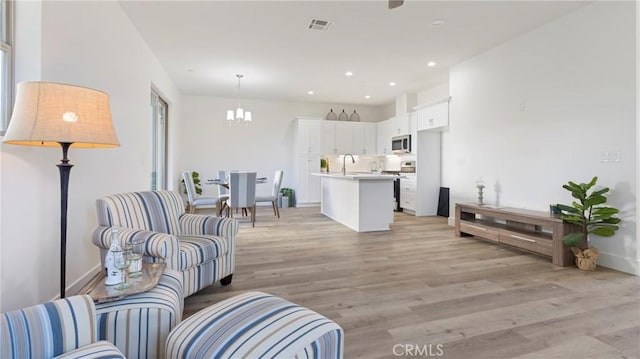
<point>46,114</point>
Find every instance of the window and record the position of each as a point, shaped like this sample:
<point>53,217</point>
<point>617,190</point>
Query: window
<point>6,63</point>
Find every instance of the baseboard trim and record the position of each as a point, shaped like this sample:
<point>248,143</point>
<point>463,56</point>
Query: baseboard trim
<point>77,285</point>
<point>619,263</point>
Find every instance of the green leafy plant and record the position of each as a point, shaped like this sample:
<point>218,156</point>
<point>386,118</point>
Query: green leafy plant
<point>588,213</point>
<point>323,163</point>
<point>196,183</point>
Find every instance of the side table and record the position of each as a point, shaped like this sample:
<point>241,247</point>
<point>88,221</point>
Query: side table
<point>101,293</point>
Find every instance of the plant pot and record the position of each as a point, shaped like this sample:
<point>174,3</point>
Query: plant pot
<point>586,259</point>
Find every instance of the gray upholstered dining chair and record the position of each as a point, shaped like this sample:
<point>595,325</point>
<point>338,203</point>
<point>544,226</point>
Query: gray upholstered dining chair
<point>242,193</point>
<point>193,198</point>
<point>273,198</point>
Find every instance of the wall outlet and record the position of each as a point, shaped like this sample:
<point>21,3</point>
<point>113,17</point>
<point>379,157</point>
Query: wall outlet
<point>609,156</point>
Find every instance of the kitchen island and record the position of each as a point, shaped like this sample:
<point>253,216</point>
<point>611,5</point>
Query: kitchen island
<point>360,201</point>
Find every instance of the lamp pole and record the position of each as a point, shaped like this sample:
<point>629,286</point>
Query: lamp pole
<point>65,169</point>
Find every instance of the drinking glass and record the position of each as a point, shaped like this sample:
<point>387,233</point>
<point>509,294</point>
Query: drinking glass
<point>122,261</point>
<point>137,250</point>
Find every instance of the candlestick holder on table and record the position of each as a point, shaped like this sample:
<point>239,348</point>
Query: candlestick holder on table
<point>480,187</point>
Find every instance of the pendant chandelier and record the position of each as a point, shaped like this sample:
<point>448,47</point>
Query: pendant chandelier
<point>239,114</point>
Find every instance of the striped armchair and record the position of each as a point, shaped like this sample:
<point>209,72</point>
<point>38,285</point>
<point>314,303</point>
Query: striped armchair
<point>65,328</point>
<point>201,247</point>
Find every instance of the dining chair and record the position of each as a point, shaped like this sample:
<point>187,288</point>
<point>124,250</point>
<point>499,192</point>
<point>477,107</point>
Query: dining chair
<point>192,196</point>
<point>273,198</point>
<point>223,193</point>
<point>242,193</point>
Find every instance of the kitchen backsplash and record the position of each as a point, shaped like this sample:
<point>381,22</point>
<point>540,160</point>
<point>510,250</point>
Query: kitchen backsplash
<point>367,163</point>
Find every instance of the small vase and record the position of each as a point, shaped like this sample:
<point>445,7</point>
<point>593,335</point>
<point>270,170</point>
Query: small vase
<point>343,116</point>
<point>331,116</point>
<point>354,117</point>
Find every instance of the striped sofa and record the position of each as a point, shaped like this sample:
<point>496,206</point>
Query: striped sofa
<point>201,247</point>
<point>65,328</point>
<point>255,325</point>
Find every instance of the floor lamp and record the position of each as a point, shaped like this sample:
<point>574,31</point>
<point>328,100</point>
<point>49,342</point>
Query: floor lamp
<point>52,114</point>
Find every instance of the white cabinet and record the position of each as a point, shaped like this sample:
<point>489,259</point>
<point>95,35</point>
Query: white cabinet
<point>369,131</point>
<point>364,139</point>
<point>434,117</point>
<point>307,160</point>
<point>328,138</point>
<point>308,191</point>
<point>307,139</point>
<point>344,137</point>
<point>339,137</point>
<point>383,136</point>
<point>408,193</point>
<point>400,125</point>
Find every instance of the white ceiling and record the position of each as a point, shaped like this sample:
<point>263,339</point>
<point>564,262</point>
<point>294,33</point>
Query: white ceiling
<point>204,44</point>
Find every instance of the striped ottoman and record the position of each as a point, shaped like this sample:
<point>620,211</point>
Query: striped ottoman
<point>255,325</point>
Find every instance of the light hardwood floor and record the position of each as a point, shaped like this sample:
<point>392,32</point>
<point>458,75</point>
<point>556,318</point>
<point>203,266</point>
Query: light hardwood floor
<point>420,285</point>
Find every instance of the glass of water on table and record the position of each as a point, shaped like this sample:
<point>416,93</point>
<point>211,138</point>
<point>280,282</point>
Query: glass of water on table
<point>135,268</point>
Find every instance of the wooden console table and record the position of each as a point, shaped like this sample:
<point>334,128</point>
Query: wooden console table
<point>533,231</point>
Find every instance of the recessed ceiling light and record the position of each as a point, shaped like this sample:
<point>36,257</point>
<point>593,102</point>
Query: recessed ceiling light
<point>437,22</point>
<point>431,63</point>
<point>367,97</point>
<point>310,92</point>
<point>348,73</point>
<point>392,84</point>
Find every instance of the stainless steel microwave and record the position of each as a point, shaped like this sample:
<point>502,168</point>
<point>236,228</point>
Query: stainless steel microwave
<point>401,144</point>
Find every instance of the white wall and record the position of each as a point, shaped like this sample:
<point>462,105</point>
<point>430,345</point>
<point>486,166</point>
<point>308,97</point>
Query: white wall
<point>209,144</point>
<point>90,44</point>
<point>537,111</point>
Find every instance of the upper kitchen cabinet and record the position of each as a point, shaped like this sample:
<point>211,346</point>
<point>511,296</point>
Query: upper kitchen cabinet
<point>339,137</point>
<point>386,130</point>
<point>400,125</point>
<point>383,136</point>
<point>307,139</point>
<point>364,138</point>
<point>434,116</point>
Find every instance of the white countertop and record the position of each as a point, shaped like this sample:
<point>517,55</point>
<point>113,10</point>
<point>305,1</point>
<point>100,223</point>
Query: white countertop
<point>358,175</point>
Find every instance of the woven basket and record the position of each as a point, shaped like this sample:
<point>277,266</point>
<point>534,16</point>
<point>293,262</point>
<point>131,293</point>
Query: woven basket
<point>586,259</point>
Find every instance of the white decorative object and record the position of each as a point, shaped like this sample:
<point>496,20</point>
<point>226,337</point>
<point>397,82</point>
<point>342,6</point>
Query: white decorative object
<point>354,117</point>
<point>480,187</point>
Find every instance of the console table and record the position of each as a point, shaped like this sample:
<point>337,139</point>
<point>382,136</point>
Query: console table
<point>533,231</point>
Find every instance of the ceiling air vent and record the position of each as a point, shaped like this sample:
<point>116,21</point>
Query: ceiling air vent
<point>321,25</point>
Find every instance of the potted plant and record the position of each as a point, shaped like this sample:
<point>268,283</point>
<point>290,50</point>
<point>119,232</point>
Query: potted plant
<point>589,214</point>
<point>323,165</point>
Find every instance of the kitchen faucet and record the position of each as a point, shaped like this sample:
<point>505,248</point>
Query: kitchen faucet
<point>344,167</point>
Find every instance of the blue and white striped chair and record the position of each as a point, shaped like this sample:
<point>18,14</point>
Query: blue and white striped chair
<point>65,328</point>
<point>256,325</point>
<point>201,247</point>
